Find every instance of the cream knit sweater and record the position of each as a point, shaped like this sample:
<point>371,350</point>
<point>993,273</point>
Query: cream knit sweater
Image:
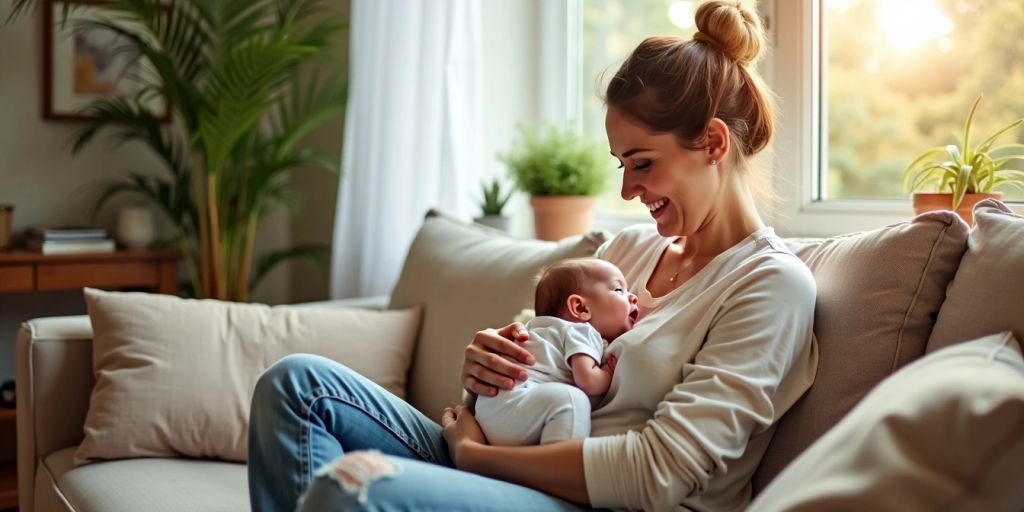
<point>702,377</point>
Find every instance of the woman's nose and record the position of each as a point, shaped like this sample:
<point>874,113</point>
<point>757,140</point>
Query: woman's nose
<point>629,188</point>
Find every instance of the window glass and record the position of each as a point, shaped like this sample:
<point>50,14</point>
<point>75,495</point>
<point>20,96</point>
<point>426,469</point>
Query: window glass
<point>611,29</point>
<point>900,77</point>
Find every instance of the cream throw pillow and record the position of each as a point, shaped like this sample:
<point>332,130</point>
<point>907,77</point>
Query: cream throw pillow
<point>468,278</point>
<point>987,294</point>
<point>944,433</point>
<point>174,377</point>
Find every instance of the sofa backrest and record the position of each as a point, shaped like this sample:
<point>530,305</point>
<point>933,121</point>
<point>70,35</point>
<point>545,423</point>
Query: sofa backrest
<point>879,293</point>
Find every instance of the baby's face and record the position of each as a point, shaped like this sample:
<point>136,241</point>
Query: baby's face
<point>612,307</point>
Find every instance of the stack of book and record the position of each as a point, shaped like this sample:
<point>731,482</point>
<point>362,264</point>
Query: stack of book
<point>67,240</point>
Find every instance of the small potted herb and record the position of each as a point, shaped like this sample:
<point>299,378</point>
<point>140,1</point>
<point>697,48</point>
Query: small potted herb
<point>494,201</point>
<point>562,171</point>
<point>964,174</point>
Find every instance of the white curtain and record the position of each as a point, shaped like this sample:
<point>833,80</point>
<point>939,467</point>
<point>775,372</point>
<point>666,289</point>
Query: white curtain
<point>412,133</point>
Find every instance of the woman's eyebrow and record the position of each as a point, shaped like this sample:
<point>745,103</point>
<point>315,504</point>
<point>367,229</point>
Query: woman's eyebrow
<point>631,152</point>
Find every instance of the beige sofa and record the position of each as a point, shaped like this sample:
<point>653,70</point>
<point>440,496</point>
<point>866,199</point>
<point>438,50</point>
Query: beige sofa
<point>880,296</point>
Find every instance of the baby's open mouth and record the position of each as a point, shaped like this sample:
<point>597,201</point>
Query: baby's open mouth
<point>634,314</point>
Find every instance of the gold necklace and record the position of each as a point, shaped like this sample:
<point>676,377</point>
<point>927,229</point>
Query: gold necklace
<point>679,268</point>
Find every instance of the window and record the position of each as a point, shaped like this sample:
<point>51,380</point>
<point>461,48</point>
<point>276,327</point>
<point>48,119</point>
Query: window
<point>610,31</point>
<point>900,76</point>
<point>866,85</point>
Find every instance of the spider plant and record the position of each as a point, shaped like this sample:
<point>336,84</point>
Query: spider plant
<point>961,168</point>
<point>242,80</point>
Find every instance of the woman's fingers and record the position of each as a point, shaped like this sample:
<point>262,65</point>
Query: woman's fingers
<point>492,362</point>
<point>489,377</point>
<point>506,341</point>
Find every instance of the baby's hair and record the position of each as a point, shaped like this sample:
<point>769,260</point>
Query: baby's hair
<point>557,281</point>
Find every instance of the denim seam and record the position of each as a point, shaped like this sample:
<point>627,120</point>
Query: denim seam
<point>310,401</point>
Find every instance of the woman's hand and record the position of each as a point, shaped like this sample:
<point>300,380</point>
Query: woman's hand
<point>460,430</point>
<point>484,370</point>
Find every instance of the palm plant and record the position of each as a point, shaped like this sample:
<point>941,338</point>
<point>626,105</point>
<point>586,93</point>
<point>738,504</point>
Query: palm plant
<point>962,169</point>
<point>239,77</point>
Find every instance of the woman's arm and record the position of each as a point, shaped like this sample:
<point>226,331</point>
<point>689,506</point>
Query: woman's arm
<point>554,468</point>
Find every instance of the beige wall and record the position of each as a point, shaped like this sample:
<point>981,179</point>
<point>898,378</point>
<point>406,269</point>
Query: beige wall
<point>48,185</point>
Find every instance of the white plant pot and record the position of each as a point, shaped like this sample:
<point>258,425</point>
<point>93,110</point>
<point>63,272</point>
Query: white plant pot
<point>499,222</point>
<point>135,228</point>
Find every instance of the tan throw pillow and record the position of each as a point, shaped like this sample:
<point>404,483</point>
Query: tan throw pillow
<point>467,278</point>
<point>944,433</point>
<point>878,294</point>
<point>174,377</point>
<point>987,294</point>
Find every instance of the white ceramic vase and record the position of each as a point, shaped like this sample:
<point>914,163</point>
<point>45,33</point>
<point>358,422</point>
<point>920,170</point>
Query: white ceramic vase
<point>135,228</point>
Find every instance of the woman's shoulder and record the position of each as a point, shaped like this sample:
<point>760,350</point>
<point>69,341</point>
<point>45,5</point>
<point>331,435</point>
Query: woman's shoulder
<point>635,237</point>
<point>779,268</point>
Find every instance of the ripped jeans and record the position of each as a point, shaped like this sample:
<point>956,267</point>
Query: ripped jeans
<point>309,411</point>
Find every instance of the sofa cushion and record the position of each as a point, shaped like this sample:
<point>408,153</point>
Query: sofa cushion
<point>944,433</point>
<point>467,277</point>
<point>157,485</point>
<point>878,294</point>
<point>987,294</point>
<point>175,376</point>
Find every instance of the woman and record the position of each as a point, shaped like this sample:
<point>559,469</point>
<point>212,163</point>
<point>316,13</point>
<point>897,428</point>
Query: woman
<point>722,349</point>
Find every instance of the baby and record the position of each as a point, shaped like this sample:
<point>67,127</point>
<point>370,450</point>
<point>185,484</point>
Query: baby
<point>580,303</point>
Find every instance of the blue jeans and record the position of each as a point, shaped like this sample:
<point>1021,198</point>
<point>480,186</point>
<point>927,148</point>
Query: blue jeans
<point>308,411</point>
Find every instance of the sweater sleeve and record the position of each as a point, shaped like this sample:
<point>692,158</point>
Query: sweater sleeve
<point>728,393</point>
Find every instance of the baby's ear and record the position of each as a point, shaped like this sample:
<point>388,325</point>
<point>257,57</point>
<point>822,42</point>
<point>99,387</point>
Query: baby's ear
<point>577,307</point>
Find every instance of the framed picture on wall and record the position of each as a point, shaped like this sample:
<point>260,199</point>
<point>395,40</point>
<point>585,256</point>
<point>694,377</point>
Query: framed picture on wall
<point>83,63</point>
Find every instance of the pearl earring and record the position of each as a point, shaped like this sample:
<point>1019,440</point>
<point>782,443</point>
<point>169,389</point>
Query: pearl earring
<point>714,162</point>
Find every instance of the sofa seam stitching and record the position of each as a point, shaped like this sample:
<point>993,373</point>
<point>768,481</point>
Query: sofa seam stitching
<point>917,293</point>
<point>56,487</point>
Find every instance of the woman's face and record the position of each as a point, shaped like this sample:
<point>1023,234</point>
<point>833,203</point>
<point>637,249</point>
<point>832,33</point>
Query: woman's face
<point>679,186</point>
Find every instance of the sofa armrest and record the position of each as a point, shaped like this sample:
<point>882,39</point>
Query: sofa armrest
<point>377,303</point>
<point>54,375</point>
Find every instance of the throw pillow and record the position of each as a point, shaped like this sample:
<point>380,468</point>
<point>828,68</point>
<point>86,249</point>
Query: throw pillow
<point>175,376</point>
<point>878,294</point>
<point>987,294</point>
<point>942,434</point>
<point>468,278</point>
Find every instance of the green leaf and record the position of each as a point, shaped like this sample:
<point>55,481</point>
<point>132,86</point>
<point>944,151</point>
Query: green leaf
<point>317,255</point>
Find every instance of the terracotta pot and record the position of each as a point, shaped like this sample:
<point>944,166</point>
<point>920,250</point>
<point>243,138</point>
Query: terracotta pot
<point>556,217</point>
<point>928,202</point>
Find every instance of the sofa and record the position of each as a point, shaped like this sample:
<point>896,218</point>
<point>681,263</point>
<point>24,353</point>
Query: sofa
<point>886,299</point>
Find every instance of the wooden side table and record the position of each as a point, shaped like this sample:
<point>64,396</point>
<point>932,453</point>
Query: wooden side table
<point>22,270</point>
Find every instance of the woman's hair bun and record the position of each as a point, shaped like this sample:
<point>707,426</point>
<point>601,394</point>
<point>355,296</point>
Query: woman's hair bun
<point>732,27</point>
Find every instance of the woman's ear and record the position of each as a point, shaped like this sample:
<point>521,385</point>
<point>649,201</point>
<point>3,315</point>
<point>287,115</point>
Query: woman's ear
<point>577,307</point>
<point>717,140</point>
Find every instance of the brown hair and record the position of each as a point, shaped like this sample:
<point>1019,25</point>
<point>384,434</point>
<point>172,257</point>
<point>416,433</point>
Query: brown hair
<point>675,85</point>
<point>559,280</point>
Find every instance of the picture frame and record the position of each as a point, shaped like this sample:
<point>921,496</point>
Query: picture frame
<point>81,64</point>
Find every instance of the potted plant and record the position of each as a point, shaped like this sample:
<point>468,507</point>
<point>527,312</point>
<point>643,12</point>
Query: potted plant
<point>494,201</point>
<point>963,174</point>
<point>562,171</point>
<point>245,82</point>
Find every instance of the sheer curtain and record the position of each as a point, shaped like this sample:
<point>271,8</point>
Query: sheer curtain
<point>412,133</point>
